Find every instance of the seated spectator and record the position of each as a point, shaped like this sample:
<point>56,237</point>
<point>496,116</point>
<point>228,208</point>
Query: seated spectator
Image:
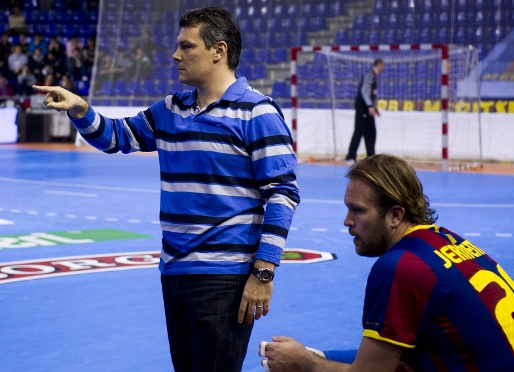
<point>58,66</point>
<point>55,47</point>
<point>49,80</point>
<point>37,62</point>
<point>147,45</point>
<point>67,83</point>
<point>88,54</point>
<point>76,66</point>
<point>24,44</point>
<point>122,65</point>
<point>46,70</point>
<point>73,44</point>
<point>38,42</point>
<point>17,21</point>
<point>105,70</point>
<point>5,89</point>
<point>16,61</point>
<point>5,47</point>
<point>141,66</point>
<point>4,67</point>
<point>26,80</point>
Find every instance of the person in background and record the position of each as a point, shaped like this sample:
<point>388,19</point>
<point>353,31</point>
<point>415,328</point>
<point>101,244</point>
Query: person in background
<point>45,71</point>
<point>38,42</point>
<point>141,66</point>
<point>76,66</point>
<point>5,89</point>
<point>55,47</point>
<point>365,112</point>
<point>5,47</point>
<point>37,62</point>
<point>67,83</point>
<point>17,22</point>
<point>23,42</point>
<point>58,65</point>
<point>26,80</point>
<point>88,56</point>
<point>16,61</point>
<point>147,45</point>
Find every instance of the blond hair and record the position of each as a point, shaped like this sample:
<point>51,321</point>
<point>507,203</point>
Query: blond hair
<point>397,184</point>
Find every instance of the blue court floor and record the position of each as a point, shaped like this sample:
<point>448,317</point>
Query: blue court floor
<point>60,204</point>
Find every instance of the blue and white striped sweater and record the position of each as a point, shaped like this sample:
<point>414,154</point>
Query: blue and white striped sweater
<point>219,168</point>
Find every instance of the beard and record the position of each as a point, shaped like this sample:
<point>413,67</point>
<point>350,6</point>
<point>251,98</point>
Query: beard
<point>375,243</point>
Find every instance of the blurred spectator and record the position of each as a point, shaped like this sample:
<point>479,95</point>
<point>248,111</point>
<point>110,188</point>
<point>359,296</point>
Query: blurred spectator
<point>67,83</point>
<point>56,48</point>
<point>45,71</point>
<point>73,44</point>
<point>5,89</point>
<point>147,45</point>
<point>141,67</point>
<point>37,62</point>
<point>38,42</point>
<point>49,81</point>
<point>45,4</point>
<point>57,65</point>
<point>105,70</point>
<point>24,43</point>
<point>5,47</point>
<point>122,65</point>
<point>88,55</point>
<point>26,80</point>
<point>76,66</point>
<point>92,4</point>
<point>16,61</point>
<point>17,21</point>
<point>4,67</point>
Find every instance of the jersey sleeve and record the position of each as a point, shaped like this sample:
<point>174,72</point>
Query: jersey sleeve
<point>399,299</point>
<point>127,135</point>
<point>273,165</point>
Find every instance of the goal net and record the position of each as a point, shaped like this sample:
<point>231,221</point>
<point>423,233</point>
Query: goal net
<point>411,99</point>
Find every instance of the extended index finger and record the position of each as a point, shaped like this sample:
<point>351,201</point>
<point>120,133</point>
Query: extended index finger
<point>45,89</point>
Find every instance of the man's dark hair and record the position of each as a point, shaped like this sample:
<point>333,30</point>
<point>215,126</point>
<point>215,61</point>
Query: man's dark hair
<point>378,61</point>
<point>216,24</point>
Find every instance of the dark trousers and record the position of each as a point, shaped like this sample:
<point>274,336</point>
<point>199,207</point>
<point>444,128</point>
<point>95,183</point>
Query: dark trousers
<point>201,317</point>
<point>364,126</point>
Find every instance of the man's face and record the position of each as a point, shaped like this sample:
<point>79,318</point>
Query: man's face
<point>194,62</point>
<point>379,68</point>
<point>364,220</point>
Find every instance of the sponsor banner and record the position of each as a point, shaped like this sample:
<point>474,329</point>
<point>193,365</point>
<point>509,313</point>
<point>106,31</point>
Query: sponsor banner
<point>66,237</point>
<point>487,106</point>
<point>61,266</point>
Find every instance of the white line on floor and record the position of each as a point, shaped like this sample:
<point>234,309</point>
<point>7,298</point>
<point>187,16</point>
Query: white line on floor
<point>69,193</point>
<point>134,221</point>
<point>15,211</point>
<point>33,212</point>
<point>111,219</point>
<point>503,235</point>
<point>70,216</point>
<point>472,234</point>
<point>320,229</point>
<point>6,222</point>
<point>50,214</point>
<point>344,230</point>
<point>156,222</point>
<point>91,218</point>
<point>293,228</point>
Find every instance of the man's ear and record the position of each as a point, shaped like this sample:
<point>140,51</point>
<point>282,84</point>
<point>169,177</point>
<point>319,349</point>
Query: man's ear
<point>396,214</point>
<point>220,51</point>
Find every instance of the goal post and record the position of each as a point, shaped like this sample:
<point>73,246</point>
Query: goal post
<point>404,64</point>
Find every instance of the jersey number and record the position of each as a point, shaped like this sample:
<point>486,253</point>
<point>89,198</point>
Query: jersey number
<point>505,307</point>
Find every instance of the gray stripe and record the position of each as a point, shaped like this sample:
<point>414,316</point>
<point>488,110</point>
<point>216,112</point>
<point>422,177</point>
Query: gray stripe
<point>272,151</point>
<point>93,127</point>
<point>133,142</point>
<point>273,240</point>
<point>204,188</point>
<point>218,257</point>
<point>200,146</point>
<point>244,219</point>
<point>282,200</point>
<point>175,109</point>
<point>242,114</point>
<point>367,83</point>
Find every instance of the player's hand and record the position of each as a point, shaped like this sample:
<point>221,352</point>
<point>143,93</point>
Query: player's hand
<point>255,295</point>
<point>61,99</point>
<point>373,111</point>
<point>286,354</point>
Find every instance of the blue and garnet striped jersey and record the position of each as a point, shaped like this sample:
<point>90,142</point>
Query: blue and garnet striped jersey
<point>228,183</point>
<point>443,299</point>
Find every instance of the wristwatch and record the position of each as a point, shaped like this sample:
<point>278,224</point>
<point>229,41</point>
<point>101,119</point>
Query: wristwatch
<point>264,274</point>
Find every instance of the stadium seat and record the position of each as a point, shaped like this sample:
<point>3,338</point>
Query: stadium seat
<point>479,17</point>
<point>478,35</point>
<point>50,30</point>
<point>341,38</point>
<point>247,56</point>
<point>279,55</point>
<point>258,72</point>
<point>29,5</point>
<point>318,71</point>
<point>392,20</point>
<point>93,16</point>
<point>45,16</point>
<point>120,88</point>
<point>82,88</point>
<point>279,11</point>
<point>317,23</point>
<point>425,36</point>
<point>78,16</point>
<point>390,37</point>
<point>460,35</point>
<point>60,5</point>
<point>244,71</point>
<point>379,7</point>
<point>262,56</point>
<point>280,90</point>
<point>281,38</point>
<point>61,16</point>
<point>31,16</point>
<point>145,88</point>
<point>106,88</point>
<point>67,30</point>
<point>303,72</point>
<point>374,37</point>
<point>293,10</point>
<point>442,35</point>
<point>161,88</point>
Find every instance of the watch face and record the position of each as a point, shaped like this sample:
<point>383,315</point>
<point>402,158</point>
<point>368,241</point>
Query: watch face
<point>265,275</point>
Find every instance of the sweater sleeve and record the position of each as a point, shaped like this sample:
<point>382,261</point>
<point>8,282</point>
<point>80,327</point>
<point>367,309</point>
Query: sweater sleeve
<point>127,135</point>
<point>366,88</point>
<point>273,164</point>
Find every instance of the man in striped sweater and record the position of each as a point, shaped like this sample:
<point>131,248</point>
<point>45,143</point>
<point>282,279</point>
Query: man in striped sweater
<point>225,153</point>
